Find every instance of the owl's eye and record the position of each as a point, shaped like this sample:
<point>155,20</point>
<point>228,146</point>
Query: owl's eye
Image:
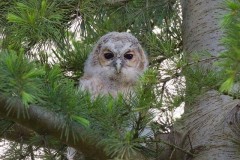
<point>108,55</point>
<point>128,56</point>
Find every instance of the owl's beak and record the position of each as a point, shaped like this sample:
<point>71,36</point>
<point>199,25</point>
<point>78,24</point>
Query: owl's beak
<point>118,65</point>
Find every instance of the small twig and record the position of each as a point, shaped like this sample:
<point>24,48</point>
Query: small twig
<point>162,90</point>
<point>159,60</point>
<point>59,151</point>
<point>31,152</point>
<point>176,147</point>
<point>138,123</point>
<point>190,142</point>
<point>170,77</point>
<point>201,60</point>
<point>172,153</point>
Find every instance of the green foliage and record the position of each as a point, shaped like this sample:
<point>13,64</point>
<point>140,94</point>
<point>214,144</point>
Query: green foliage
<point>81,120</point>
<point>231,57</point>
<point>62,96</point>
<point>199,80</point>
<point>60,92</point>
<point>4,5</point>
<point>72,60</point>
<point>128,120</point>
<point>122,149</point>
<point>133,15</point>
<point>34,21</point>
<point>48,87</point>
<point>19,77</point>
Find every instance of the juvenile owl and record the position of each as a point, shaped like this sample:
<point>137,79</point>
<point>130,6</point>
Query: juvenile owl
<point>114,65</point>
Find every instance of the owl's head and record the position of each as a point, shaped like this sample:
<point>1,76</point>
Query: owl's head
<point>117,56</point>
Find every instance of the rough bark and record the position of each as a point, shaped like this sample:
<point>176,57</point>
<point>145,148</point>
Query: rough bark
<point>210,129</point>
<point>211,124</point>
<point>201,25</point>
<point>45,122</point>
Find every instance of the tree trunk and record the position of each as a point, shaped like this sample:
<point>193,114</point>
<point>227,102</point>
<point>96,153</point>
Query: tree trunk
<point>210,125</point>
<point>201,25</point>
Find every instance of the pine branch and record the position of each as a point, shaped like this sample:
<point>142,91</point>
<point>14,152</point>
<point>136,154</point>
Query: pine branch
<point>45,122</point>
<point>17,133</point>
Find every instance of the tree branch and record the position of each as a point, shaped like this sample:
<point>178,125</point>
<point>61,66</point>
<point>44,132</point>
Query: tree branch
<point>45,122</point>
<point>17,133</point>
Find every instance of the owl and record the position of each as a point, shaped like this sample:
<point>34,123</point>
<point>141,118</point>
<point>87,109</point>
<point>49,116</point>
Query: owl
<point>114,65</point>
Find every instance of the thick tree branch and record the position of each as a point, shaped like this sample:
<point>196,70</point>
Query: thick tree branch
<point>17,133</point>
<point>45,122</point>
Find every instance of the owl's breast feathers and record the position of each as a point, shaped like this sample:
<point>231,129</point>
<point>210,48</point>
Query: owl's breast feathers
<point>97,86</point>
